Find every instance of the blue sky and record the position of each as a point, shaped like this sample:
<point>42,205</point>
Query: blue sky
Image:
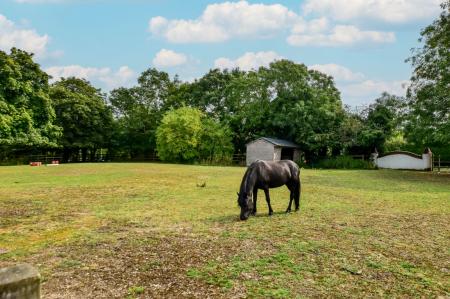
<point>363,44</point>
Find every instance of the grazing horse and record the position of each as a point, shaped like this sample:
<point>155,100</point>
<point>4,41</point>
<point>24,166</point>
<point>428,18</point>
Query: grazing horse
<point>264,175</point>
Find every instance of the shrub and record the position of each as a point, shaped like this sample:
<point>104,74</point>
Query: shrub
<point>188,135</point>
<point>344,162</point>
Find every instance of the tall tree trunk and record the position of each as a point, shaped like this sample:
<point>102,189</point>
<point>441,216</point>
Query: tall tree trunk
<point>92,153</point>
<point>83,154</point>
<point>66,154</point>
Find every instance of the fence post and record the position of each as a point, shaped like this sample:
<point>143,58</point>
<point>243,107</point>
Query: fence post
<point>439,163</point>
<point>20,281</point>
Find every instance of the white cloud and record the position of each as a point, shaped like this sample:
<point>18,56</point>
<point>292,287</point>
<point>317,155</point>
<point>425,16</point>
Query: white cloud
<point>106,77</point>
<point>356,88</point>
<point>169,58</point>
<point>338,72</point>
<point>26,39</point>
<point>157,25</point>
<point>340,35</point>
<point>391,11</point>
<point>223,21</point>
<point>248,61</point>
<point>373,88</point>
<point>311,26</point>
<point>125,76</point>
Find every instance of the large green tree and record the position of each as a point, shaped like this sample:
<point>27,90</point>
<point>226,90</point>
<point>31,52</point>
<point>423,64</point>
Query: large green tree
<point>429,93</point>
<point>26,112</point>
<point>139,110</point>
<point>284,100</point>
<point>186,135</point>
<point>213,93</point>
<point>82,112</point>
<point>382,122</point>
<point>379,126</point>
<point>305,106</point>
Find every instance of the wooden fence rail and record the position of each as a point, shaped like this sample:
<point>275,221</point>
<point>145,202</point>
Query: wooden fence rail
<point>236,159</point>
<point>441,166</point>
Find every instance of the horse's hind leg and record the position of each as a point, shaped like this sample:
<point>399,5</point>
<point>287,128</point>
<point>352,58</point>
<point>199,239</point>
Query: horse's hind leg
<point>297,193</point>
<point>266,191</point>
<point>291,198</point>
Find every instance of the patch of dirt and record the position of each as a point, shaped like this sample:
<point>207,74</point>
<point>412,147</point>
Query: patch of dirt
<point>158,264</point>
<point>18,212</point>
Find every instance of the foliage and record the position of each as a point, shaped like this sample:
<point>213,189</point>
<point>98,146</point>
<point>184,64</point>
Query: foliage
<point>82,113</point>
<point>344,162</point>
<point>179,135</point>
<point>139,110</point>
<point>429,93</point>
<point>214,93</point>
<point>304,106</point>
<point>186,135</point>
<point>215,141</point>
<point>362,132</point>
<point>26,113</point>
<point>284,100</point>
<point>396,142</point>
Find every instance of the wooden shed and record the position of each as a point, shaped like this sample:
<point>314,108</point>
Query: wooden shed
<point>271,149</point>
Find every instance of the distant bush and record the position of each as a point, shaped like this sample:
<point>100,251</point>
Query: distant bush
<point>344,162</point>
<point>188,135</point>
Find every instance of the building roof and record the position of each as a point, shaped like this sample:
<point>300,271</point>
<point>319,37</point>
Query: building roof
<point>401,153</point>
<point>278,142</point>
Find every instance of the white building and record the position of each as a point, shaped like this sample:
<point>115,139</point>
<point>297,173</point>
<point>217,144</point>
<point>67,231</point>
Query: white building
<point>405,160</point>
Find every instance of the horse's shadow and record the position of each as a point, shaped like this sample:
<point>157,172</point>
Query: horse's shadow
<point>235,218</point>
<point>274,214</point>
<point>223,219</point>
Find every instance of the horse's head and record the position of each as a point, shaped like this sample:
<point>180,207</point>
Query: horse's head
<point>246,203</point>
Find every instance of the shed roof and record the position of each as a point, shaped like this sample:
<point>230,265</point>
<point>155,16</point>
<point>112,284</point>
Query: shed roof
<point>278,142</point>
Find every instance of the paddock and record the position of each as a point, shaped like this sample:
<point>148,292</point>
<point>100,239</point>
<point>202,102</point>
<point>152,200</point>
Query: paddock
<point>142,230</point>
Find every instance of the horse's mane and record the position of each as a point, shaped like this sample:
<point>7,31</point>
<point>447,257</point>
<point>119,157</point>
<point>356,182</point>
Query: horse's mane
<point>245,181</point>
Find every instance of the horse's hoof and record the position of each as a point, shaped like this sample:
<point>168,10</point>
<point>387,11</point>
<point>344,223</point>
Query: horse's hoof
<point>253,213</point>
<point>270,213</point>
<point>297,209</point>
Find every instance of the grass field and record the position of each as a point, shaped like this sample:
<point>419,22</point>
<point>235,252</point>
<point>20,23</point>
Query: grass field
<point>147,230</point>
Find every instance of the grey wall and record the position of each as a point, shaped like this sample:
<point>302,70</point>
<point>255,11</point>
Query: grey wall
<point>259,150</point>
<point>277,153</point>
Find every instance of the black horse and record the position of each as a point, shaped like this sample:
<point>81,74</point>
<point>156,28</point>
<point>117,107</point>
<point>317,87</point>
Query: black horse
<point>264,175</point>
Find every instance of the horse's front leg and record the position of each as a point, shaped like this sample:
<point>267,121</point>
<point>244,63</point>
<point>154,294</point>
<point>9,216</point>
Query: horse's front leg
<point>255,198</point>
<point>266,191</point>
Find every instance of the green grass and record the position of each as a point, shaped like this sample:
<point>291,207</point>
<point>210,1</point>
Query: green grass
<point>148,230</point>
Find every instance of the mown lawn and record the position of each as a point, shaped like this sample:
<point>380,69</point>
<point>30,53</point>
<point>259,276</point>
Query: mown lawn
<point>148,230</point>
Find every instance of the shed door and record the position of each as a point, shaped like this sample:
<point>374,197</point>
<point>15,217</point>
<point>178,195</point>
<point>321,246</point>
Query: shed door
<point>287,154</point>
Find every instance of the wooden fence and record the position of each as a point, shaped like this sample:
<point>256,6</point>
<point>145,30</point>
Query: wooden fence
<point>239,159</point>
<point>44,159</point>
<point>236,159</point>
<point>440,165</point>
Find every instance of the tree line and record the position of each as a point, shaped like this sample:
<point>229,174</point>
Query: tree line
<point>214,116</point>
